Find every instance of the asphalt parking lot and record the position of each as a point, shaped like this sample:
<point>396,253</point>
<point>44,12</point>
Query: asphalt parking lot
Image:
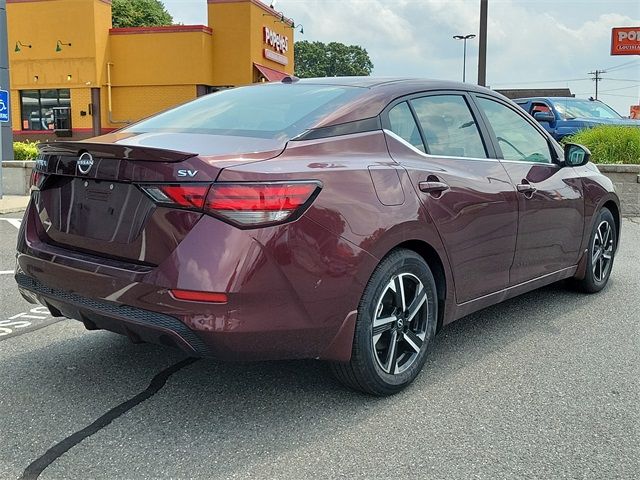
<point>543,386</point>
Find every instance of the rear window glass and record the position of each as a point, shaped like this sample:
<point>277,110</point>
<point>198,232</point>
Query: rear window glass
<point>403,124</point>
<point>277,111</point>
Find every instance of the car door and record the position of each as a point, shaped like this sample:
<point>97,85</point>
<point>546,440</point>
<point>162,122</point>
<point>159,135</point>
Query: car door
<point>468,195</point>
<point>550,197</point>
<point>539,106</point>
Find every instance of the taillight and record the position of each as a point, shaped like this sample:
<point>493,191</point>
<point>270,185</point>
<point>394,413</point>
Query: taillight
<point>187,196</point>
<point>246,205</point>
<point>256,204</point>
<point>37,180</point>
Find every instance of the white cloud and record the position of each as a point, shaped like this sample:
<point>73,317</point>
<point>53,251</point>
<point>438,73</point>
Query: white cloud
<point>529,42</point>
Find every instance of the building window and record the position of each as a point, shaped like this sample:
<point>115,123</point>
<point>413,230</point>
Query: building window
<point>46,109</point>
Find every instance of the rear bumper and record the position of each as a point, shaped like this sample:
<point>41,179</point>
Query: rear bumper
<point>285,299</point>
<point>135,323</point>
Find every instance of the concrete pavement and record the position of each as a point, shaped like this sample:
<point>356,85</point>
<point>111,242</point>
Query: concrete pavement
<point>542,386</point>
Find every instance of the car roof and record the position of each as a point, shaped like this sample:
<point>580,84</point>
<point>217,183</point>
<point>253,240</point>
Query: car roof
<point>400,83</point>
<point>529,99</point>
<point>381,92</point>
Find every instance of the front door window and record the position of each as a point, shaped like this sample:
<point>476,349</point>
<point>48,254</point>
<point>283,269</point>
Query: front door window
<point>517,138</point>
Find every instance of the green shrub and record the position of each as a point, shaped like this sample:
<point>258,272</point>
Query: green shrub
<point>610,143</point>
<point>25,150</point>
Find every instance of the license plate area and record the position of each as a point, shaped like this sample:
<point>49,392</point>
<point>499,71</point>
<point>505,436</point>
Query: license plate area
<point>94,209</point>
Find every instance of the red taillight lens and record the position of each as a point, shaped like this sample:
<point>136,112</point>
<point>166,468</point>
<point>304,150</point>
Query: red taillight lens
<point>195,296</point>
<point>253,204</point>
<point>243,204</point>
<point>37,179</point>
<point>188,196</point>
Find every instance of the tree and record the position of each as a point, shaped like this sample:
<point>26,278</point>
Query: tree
<point>140,13</point>
<point>317,59</point>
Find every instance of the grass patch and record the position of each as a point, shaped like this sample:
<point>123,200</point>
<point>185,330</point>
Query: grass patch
<point>25,150</point>
<point>610,143</point>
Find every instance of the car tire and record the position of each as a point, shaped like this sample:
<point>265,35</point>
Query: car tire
<point>603,243</point>
<point>395,326</point>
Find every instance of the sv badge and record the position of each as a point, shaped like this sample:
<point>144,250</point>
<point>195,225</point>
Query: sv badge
<point>187,173</point>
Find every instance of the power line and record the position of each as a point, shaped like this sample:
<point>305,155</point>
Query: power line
<point>623,66</point>
<point>619,88</point>
<point>622,79</point>
<point>618,95</point>
<point>543,81</point>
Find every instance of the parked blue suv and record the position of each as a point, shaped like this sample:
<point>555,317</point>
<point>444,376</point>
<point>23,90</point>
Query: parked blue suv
<point>562,116</point>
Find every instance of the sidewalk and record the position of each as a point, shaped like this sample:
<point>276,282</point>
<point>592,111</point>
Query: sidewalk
<point>13,203</point>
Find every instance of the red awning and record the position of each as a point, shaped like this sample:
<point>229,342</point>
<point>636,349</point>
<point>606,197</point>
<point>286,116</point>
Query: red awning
<point>270,74</point>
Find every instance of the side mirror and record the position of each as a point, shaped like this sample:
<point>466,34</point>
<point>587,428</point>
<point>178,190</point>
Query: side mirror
<point>576,155</point>
<point>544,117</point>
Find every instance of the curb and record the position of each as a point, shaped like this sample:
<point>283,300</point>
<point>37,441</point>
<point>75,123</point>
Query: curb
<point>13,204</point>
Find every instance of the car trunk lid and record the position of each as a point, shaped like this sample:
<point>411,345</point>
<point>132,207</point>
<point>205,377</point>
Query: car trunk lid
<point>89,194</point>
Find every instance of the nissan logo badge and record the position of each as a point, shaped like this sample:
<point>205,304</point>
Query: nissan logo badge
<point>85,162</point>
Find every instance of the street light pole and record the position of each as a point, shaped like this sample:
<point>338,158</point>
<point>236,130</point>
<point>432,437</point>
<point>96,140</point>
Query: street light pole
<point>464,39</point>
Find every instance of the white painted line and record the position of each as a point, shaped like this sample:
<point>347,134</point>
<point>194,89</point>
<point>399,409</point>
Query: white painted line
<point>13,221</point>
<point>7,272</point>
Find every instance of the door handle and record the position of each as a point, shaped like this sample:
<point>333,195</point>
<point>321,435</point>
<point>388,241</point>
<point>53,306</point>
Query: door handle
<point>526,188</point>
<point>433,187</point>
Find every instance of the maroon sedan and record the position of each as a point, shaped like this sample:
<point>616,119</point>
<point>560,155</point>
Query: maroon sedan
<point>340,219</point>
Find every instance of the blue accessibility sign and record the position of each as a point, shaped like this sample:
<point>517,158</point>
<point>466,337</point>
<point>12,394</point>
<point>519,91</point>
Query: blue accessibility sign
<point>4,106</point>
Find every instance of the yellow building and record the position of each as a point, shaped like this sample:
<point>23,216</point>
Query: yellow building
<point>72,74</point>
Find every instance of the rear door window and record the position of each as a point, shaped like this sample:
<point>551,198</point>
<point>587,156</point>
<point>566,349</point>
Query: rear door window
<point>449,127</point>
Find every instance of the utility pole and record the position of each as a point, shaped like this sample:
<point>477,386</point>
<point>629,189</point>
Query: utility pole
<point>596,78</point>
<point>482,52</point>
<point>6,135</point>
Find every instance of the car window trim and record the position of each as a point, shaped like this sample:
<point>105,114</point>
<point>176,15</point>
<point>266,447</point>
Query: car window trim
<point>483,132</point>
<point>555,159</point>
<point>429,155</point>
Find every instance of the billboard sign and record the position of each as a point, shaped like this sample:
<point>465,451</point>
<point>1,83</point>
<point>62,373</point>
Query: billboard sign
<point>625,41</point>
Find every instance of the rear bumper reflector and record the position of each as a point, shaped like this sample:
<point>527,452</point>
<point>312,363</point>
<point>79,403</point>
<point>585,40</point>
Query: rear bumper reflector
<point>193,296</point>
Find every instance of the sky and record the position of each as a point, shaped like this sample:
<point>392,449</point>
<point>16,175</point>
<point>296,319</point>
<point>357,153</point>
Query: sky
<point>531,43</point>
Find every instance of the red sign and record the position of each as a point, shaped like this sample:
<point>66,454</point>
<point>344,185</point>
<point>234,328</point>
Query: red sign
<point>625,41</point>
<point>635,112</point>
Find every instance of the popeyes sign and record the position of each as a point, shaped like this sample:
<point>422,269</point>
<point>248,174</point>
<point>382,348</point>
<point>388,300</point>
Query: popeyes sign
<point>279,46</point>
<point>625,41</point>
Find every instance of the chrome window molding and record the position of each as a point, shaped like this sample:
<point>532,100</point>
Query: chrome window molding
<point>428,155</point>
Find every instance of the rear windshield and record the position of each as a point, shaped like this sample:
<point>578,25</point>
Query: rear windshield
<point>277,111</point>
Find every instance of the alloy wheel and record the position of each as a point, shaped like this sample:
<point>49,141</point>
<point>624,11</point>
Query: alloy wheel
<point>400,323</point>
<point>602,251</point>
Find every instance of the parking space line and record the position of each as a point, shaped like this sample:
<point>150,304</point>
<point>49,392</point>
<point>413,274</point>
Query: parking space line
<point>6,272</point>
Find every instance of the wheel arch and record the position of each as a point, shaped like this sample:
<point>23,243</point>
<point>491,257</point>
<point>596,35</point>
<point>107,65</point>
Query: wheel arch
<point>615,211</point>
<point>431,257</point>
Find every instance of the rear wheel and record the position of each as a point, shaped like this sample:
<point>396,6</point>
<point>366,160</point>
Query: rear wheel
<point>602,248</point>
<point>395,326</point>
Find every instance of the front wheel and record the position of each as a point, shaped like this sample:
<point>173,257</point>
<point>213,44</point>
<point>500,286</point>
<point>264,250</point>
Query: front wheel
<point>395,326</point>
<point>602,249</point>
